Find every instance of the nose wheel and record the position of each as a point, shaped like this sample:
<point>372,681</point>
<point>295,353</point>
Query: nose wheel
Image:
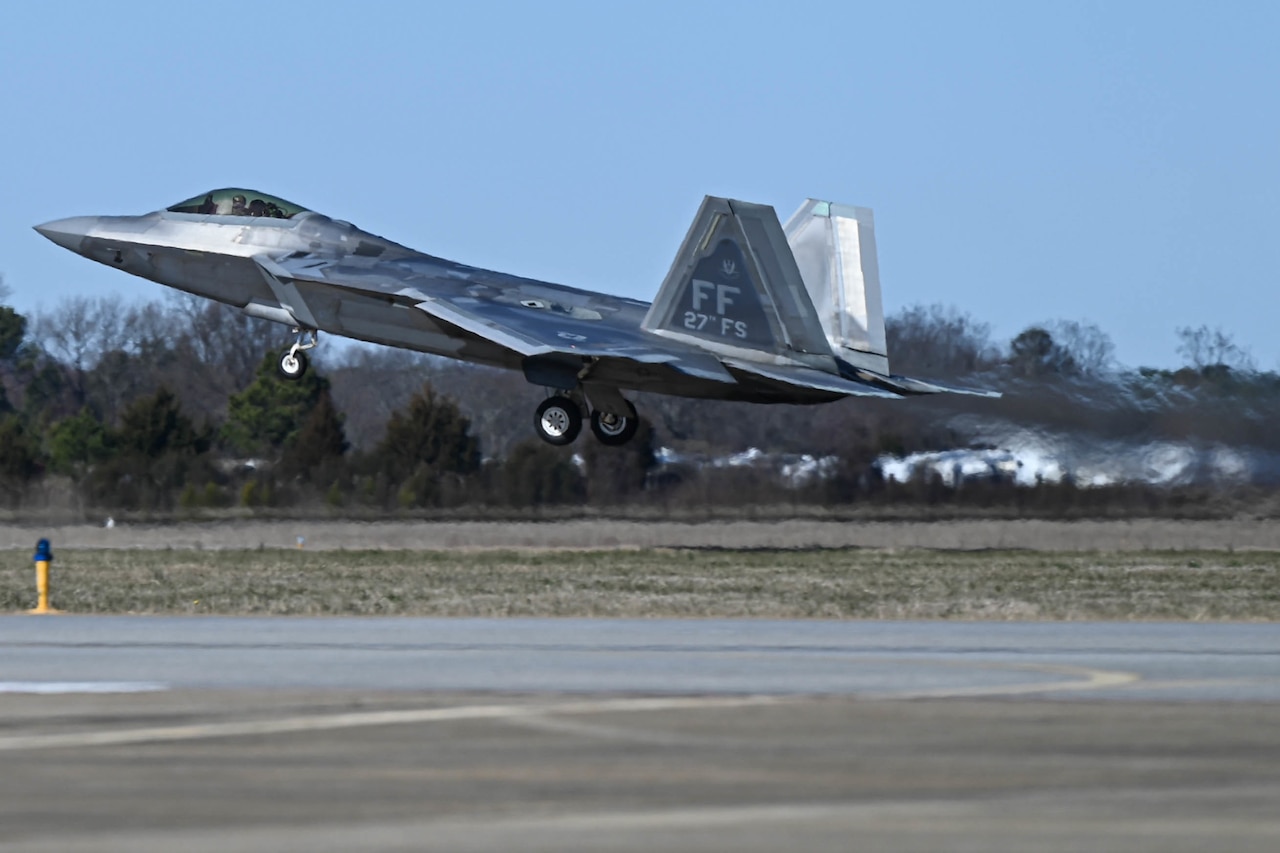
<point>293,361</point>
<point>292,365</point>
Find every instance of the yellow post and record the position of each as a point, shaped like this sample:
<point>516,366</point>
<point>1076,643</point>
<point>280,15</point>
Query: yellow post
<point>43,557</point>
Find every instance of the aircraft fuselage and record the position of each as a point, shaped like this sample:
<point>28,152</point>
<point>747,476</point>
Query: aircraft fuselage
<point>735,318</point>
<point>213,257</point>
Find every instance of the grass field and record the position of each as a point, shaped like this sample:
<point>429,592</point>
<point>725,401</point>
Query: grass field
<point>828,583</point>
<point>770,530</point>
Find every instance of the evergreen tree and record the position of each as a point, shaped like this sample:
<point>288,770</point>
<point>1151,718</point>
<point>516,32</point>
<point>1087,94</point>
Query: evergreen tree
<point>159,451</point>
<point>13,329</point>
<point>426,442</point>
<point>318,442</point>
<point>535,473</point>
<point>430,432</point>
<point>1034,353</point>
<point>77,442</point>
<point>265,416</point>
<point>46,393</point>
<point>153,426</point>
<point>19,458</point>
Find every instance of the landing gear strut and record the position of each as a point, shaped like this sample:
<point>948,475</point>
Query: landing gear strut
<point>293,361</point>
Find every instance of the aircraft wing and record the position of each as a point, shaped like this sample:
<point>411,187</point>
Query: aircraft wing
<point>553,329</point>
<point>545,331</point>
<point>531,319</point>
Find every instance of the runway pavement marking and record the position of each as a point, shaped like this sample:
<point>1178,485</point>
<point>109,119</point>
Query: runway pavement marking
<point>577,728</point>
<point>328,722</point>
<point>1093,679</point>
<point>1198,683</point>
<point>57,687</point>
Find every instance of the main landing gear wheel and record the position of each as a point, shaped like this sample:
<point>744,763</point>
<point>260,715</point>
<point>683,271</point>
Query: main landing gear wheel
<point>292,364</point>
<point>615,430</point>
<point>558,420</point>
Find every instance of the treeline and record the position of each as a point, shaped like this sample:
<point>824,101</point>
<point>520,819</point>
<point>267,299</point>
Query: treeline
<point>173,406</point>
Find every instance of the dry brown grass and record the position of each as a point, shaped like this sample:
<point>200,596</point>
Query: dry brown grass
<point>836,583</point>
<point>766,531</point>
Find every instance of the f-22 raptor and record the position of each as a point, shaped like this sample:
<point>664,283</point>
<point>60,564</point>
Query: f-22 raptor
<point>750,310</point>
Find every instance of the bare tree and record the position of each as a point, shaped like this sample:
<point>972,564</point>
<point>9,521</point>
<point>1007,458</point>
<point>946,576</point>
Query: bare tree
<point>68,334</point>
<point>1090,348</point>
<point>938,340</point>
<point>149,328</point>
<point>13,326</point>
<point>1203,347</point>
<point>225,343</point>
<point>64,332</point>
<point>372,382</point>
<point>113,351</point>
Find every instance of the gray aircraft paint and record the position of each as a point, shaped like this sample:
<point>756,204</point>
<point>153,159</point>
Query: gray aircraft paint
<point>734,288</point>
<point>835,249</point>
<point>762,340</point>
<point>721,302</point>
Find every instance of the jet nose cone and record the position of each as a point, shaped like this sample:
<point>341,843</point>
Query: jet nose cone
<point>68,233</point>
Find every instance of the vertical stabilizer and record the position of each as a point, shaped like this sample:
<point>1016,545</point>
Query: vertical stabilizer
<point>835,249</point>
<point>734,288</point>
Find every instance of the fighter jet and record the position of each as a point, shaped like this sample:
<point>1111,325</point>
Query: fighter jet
<point>750,310</point>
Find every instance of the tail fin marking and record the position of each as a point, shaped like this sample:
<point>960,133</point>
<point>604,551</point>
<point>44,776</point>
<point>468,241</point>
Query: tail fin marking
<point>734,286</point>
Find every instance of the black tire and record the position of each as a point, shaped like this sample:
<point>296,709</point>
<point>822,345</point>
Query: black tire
<point>558,421</point>
<point>615,430</point>
<point>291,366</point>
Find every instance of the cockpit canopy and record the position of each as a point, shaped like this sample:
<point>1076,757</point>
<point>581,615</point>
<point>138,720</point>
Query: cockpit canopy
<point>237,202</point>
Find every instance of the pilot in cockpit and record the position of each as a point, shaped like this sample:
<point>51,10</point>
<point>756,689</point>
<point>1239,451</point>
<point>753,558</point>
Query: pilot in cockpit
<point>238,207</point>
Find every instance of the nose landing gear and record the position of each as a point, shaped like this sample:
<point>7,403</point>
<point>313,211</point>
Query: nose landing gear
<point>293,361</point>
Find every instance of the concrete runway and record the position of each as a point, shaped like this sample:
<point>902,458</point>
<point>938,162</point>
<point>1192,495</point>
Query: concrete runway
<point>121,733</point>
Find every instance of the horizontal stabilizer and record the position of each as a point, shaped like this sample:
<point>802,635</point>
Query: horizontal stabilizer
<point>907,386</point>
<point>805,377</point>
<point>709,368</point>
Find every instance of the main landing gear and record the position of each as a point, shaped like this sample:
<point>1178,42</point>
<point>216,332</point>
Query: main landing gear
<point>293,361</point>
<point>559,420</point>
<point>615,430</point>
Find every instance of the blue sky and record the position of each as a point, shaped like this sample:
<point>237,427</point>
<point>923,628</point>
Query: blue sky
<point>1111,162</point>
